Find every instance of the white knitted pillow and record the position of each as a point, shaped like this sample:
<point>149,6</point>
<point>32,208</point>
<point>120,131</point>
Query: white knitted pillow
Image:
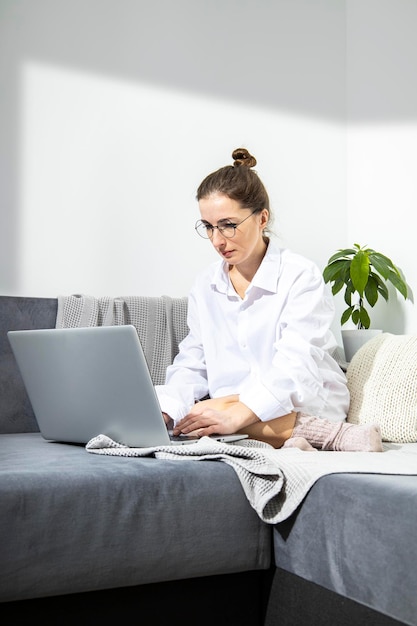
<point>382,380</point>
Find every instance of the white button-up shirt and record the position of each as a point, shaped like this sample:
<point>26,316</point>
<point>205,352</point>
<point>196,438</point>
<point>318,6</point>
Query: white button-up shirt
<point>272,347</point>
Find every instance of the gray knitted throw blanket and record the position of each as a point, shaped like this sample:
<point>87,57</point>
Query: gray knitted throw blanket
<point>274,481</point>
<point>160,322</point>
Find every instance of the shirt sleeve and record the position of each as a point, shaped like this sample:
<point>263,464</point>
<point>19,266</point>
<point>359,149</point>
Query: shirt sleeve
<point>186,378</point>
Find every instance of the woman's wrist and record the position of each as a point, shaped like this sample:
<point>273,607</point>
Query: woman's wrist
<point>168,421</point>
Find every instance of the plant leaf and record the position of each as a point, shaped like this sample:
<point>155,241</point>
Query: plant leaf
<point>348,293</point>
<point>371,290</point>
<point>381,285</point>
<point>381,263</point>
<point>346,315</point>
<point>398,283</point>
<point>337,286</point>
<point>341,253</point>
<point>355,317</point>
<point>359,271</point>
<point>335,271</point>
<point>364,318</point>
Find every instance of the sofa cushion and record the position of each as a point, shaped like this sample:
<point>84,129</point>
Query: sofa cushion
<point>354,534</point>
<point>382,380</point>
<point>73,521</point>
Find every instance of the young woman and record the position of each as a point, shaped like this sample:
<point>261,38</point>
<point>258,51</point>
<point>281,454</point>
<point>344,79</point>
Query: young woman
<point>257,358</point>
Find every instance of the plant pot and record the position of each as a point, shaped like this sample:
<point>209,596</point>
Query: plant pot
<point>355,338</point>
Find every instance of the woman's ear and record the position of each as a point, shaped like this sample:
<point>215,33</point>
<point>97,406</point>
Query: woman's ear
<point>264,218</point>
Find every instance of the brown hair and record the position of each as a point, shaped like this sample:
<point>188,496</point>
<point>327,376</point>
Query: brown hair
<point>238,181</point>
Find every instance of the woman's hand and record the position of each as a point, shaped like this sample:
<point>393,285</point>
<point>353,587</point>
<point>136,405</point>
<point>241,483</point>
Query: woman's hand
<point>222,416</point>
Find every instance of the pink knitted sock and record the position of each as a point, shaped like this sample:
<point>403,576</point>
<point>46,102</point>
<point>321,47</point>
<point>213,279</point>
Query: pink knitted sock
<point>340,436</point>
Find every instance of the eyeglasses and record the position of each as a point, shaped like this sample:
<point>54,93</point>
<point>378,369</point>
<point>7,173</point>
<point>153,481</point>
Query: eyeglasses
<point>225,227</point>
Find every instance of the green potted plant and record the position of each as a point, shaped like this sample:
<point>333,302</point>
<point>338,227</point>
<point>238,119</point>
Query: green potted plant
<point>364,274</point>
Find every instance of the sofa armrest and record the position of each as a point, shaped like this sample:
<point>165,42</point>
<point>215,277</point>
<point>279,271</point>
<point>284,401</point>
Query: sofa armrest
<point>19,313</point>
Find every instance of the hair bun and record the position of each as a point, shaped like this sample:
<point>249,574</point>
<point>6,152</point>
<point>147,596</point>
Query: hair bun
<point>241,156</point>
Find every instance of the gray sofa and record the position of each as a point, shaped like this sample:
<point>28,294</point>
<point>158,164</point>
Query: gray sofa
<point>89,537</point>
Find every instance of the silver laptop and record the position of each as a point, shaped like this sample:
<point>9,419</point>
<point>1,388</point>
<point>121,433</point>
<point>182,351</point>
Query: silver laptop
<point>83,382</point>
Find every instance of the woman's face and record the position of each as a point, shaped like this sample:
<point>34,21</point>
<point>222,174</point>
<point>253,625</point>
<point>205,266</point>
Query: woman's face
<point>247,244</point>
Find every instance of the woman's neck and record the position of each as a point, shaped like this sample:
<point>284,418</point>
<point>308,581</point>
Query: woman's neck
<point>242,275</point>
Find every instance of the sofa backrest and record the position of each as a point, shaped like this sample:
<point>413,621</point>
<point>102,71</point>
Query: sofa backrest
<point>19,313</point>
<point>161,324</point>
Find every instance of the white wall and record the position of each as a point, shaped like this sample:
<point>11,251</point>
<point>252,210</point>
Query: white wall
<point>382,141</point>
<point>112,111</point>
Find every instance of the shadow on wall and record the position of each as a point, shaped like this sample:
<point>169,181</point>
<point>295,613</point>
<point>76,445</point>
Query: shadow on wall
<point>273,54</point>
